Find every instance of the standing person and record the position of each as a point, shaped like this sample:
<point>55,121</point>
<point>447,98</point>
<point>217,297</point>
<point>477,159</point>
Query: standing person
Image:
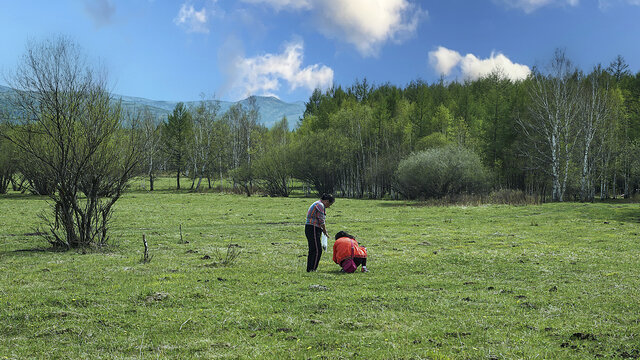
<point>314,227</point>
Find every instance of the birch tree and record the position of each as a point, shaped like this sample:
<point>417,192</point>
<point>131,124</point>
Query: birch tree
<point>551,129</point>
<point>202,159</point>
<point>596,110</point>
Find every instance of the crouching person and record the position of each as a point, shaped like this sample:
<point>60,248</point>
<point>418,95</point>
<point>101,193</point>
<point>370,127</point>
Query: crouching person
<point>348,254</point>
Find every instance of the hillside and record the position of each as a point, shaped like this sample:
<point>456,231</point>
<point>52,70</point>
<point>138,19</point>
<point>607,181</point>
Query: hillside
<point>271,109</point>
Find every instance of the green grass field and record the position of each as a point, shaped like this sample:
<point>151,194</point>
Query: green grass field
<point>554,281</point>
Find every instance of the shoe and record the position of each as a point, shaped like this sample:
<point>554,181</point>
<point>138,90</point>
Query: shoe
<point>364,269</point>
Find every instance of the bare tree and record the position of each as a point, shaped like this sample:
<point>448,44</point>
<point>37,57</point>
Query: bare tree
<point>619,68</point>
<point>151,144</point>
<point>245,134</point>
<point>8,163</point>
<point>551,129</point>
<point>70,129</point>
<point>202,154</point>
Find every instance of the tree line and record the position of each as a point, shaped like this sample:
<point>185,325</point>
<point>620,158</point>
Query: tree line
<point>562,133</point>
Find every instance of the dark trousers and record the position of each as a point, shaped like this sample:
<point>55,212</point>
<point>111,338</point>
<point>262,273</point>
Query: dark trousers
<point>315,248</point>
<point>360,261</point>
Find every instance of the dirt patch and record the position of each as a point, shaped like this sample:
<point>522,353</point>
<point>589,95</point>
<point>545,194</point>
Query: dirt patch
<point>159,296</point>
<point>528,305</point>
<point>629,354</point>
<point>583,336</point>
<point>457,334</point>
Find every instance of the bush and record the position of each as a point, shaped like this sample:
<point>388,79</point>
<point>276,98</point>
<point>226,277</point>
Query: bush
<point>273,171</point>
<point>432,141</point>
<point>511,197</point>
<point>439,172</point>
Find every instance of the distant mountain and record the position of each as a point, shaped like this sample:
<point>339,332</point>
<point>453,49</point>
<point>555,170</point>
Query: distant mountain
<point>270,109</point>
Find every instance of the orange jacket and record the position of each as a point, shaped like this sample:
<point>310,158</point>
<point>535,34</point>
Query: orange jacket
<point>345,248</point>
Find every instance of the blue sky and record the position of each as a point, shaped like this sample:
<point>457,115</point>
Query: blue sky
<point>176,50</point>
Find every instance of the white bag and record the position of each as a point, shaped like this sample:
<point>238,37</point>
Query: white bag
<point>323,241</point>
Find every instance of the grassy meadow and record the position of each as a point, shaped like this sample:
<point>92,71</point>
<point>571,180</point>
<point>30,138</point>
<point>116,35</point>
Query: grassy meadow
<point>552,281</point>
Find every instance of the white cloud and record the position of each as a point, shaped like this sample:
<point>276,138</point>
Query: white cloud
<point>471,67</point>
<point>192,20</point>
<point>530,6</point>
<point>365,24</point>
<point>284,4</point>
<point>263,75</point>
<point>605,4</point>
<point>474,68</point>
<point>444,60</point>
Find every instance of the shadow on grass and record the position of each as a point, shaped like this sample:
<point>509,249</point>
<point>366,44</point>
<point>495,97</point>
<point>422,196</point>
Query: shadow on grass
<point>404,203</point>
<point>22,196</point>
<point>630,215</point>
<point>31,251</point>
<point>49,248</point>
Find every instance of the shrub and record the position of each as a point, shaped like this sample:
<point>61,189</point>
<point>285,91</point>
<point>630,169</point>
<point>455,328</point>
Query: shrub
<point>273,171</point>
<point>432,141</point>
<point>511,197</point>
<point>71,134</point>
<point>440,172</point>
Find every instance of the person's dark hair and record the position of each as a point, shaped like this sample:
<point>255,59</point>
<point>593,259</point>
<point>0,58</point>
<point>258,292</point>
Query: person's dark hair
<point>341,234</point>
<point>328,197</point>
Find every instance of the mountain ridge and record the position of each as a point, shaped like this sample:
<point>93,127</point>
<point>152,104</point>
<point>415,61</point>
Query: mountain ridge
<point>270,108</point>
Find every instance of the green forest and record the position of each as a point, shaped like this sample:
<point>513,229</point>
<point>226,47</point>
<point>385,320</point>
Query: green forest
<point>563,134</point>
